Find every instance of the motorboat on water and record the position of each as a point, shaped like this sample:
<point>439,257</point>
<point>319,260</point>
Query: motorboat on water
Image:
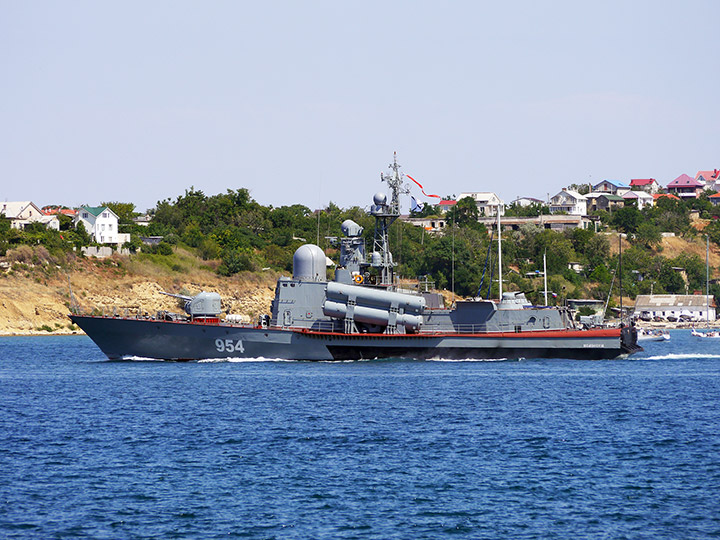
<point>646,334</point>
<point>712,334</point>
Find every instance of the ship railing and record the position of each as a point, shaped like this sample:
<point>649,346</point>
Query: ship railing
<point>474,329</point>
<point>455,329</point>
<point>122,313</point>
<point>315,326</point>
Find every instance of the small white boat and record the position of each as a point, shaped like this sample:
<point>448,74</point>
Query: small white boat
<point>653,335</point>
<point>713,334</point>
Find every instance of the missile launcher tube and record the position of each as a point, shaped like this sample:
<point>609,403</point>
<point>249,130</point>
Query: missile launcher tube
<point>371,315</point>
<point>339,292</point>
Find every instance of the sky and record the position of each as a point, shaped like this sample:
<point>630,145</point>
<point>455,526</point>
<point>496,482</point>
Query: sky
<point>305,102</point>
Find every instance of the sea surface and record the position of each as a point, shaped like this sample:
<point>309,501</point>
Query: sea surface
<point>392,449</point>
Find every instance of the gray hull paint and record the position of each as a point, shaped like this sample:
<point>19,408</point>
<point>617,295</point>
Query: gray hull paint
<point>146,338</point>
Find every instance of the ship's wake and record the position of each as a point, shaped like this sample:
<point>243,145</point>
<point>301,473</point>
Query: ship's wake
<point>681,356</point>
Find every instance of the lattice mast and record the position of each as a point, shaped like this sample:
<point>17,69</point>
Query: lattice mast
<point>385,215</point>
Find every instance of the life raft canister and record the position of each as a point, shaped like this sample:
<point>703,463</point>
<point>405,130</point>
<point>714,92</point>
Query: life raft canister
<point>358,279</point>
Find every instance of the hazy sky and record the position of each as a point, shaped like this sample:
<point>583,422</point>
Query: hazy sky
<point>305,102</point>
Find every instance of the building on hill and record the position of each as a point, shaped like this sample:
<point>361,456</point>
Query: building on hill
<point>675,307</point>
<point>650,185</point>
<point>603,201</point>
<point>22,213</point>
<point>714,199</point>
<point>570,202</point>
<point>710,179</point>
<point>526,201</point>
<point>102,224</point>
<point>685,187</point>
<point>611,186</point>
<point>58,211</point>
<point>486,201</point>
<point>443,206</point>
<point>557,222</point>
<point>640,199</point>
<point>430,224</point>
<point>143,221</point>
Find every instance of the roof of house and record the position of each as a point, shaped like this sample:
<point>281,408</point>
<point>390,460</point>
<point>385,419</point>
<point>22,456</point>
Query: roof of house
<point>668,195</point>
<point>95,210</point>
<point>708,175</point>
<point>637,195</point>
<point>615,183</point>
<point>715,196</point>
<point>13,209</point>
<point>611,197</point>
<point>53,210</point>
<point>658,301</point>
<point>533,199</point>
<point>447,203</point>
<point>684,181</point>
<point>479,195</point>
<point>573,194</point>
<point>642,181</point>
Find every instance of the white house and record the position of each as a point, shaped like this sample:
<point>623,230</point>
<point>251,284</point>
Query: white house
<point>102,224</point>
<point>526,201</point>
<point>22,213</point>
<point>486,201</point>
<point>569,201</point>
<point>646,184</point>
<point>696,307</point>
<point>640,198</point>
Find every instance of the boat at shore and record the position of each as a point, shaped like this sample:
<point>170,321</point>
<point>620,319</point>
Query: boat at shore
<point>361,314</point>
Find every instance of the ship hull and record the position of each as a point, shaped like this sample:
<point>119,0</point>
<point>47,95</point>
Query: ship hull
<point>175,340</point>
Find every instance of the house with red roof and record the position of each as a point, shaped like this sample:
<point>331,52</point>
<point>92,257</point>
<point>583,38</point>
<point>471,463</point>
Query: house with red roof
<point>685,187</point>
<point>445,205</point>
<point>711,179</point>
<point>715,199</point>
<point>649,185</point>
<point>57,210</point>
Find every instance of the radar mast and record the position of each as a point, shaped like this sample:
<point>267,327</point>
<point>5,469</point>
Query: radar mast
<point>385,215</point>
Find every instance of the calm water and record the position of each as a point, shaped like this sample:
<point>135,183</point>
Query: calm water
<point>384,449</point>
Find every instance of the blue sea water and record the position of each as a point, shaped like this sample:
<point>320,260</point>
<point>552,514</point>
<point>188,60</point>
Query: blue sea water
<point>392,449</point>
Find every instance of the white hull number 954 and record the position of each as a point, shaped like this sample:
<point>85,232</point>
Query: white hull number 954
<point>228,345</point>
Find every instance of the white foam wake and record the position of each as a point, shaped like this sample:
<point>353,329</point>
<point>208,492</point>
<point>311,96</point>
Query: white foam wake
<point>471,359</point>
<point>242,360</point>
<point>680,356</point>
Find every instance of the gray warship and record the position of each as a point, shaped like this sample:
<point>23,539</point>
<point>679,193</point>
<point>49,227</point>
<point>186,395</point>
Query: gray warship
<point>361,314</point>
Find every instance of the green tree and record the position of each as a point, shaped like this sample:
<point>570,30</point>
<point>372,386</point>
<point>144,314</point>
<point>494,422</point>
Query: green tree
<point>626,219</point>
<point>465,212</point>
<point>648,234</point>
<point>124,211</point>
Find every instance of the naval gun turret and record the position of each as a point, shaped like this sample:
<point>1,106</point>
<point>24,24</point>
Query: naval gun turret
<point>202,305</point>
